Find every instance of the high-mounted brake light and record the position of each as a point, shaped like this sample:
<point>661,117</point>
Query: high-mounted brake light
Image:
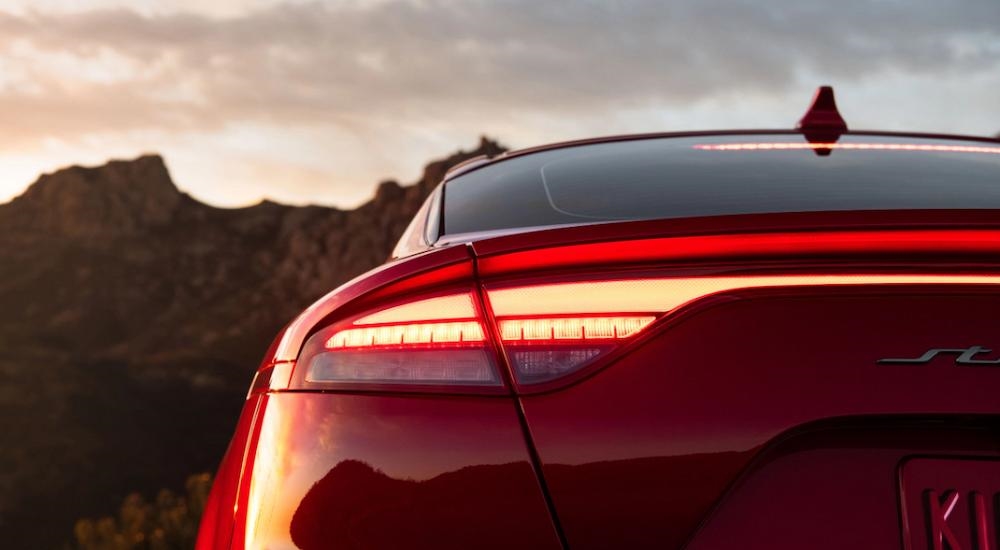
<point>786,146</point>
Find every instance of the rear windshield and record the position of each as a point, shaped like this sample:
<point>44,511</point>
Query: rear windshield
<point>720,175</point>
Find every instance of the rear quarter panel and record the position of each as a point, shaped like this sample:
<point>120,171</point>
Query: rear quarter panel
<point>637,454</point>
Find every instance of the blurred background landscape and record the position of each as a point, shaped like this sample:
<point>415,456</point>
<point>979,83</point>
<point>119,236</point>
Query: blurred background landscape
<point>135,318</point>
<point>253,140</point>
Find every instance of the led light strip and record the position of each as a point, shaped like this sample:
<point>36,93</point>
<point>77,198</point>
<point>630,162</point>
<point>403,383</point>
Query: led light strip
<point>463,332</point>
<point>850,146</point>
<point>594,298</point>
<point>572,328</point>
<point>589,310</point>
<point>456,332</point>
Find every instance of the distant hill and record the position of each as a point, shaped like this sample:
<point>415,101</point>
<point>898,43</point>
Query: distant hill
<point>133,316</point>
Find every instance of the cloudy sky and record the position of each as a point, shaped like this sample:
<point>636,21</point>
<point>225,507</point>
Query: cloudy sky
<point>315,102</point>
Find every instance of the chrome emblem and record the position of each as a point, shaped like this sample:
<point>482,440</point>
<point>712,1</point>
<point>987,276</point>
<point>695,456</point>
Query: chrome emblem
<point>966,356</point>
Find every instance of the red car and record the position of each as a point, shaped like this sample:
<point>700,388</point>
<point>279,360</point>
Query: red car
<point>753,339</point>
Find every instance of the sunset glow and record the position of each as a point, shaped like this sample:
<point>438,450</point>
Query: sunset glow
<point>316,102</point>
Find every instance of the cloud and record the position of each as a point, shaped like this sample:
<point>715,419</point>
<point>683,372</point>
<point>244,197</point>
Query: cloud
<point>435,66</point>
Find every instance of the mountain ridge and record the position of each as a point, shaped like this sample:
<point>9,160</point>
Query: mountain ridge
<point>113,199</point>
<point>126,221</point>
<point>135,316</point>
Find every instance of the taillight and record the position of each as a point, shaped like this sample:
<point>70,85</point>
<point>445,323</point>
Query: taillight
<point>546,331</point>
<point>543,349</point>
<point>572,328</point>
<point>445,341</point>
<point>552,330</point>
<point>425,342</point>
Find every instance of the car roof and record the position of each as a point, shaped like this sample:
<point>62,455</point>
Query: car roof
<point>485,160</point>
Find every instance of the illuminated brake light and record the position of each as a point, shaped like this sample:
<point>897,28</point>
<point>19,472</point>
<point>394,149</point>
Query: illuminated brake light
<point>780,146</point>
<point>437,341</point>
<point>541,349</point>
<point>662,295</point>
<point>461,332</point>
<point>572,328</point>
<point>552,330</point>
<point>546,331</point>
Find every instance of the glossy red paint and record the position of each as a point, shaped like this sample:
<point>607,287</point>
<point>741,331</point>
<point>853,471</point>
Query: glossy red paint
<point>886,235</point>
<point>835,485</point>
<point>748,418</point>
<point>222,507</point>
<point>376,471</point>
<point>731,374</point>
<point>423,272</point>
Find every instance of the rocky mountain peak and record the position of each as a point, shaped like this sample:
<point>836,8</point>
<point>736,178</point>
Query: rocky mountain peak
<point>135,315</point>
<point>121,197</point>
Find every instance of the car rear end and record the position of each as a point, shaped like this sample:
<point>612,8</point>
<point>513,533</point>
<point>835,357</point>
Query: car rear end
<point>748,340</point>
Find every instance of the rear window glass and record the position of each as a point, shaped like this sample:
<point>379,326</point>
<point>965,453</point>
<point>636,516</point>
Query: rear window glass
<point>720,175</point>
